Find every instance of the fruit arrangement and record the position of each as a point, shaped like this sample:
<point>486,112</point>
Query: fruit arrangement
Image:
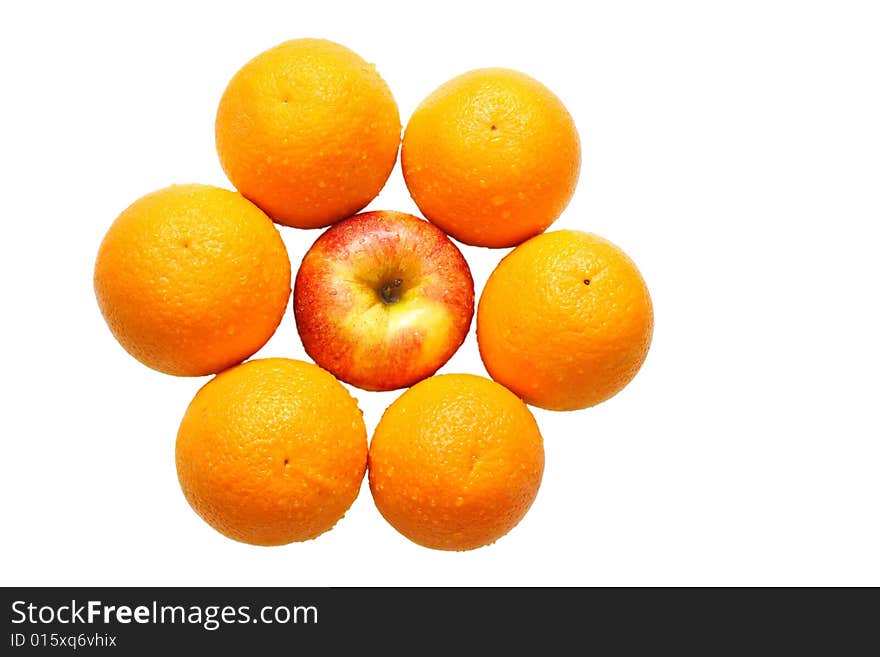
<point>193,280</point>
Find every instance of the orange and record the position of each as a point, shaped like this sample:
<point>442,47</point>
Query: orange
<point>272,451</point>
<point>308,131</point>
<point>192,279</point>
<point>456,462</point>
<point>565,320</point>
<point>492,157</point>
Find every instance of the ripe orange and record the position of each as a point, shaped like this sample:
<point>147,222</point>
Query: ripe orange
<point>492,157</point>
<point>455,462</point>
<point>192,279</point>
<point>272,451</point>
<point>308,131</point>
<point>565,320</point>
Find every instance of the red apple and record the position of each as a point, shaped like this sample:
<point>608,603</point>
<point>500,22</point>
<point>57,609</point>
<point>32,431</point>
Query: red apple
<point>383,299</point>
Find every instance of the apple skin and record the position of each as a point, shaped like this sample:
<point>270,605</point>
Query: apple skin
<point>383,299</point>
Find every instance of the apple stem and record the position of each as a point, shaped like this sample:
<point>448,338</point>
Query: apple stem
<point>389,291</point>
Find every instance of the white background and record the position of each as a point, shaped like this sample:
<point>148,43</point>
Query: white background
<point>731,148</point>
